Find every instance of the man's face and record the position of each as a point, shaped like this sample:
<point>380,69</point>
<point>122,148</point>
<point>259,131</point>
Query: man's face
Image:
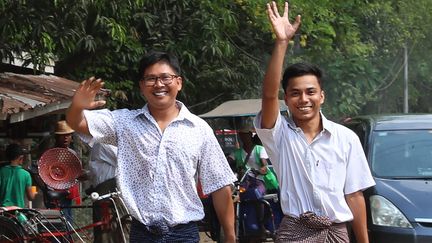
<point>304,97</point>
<point>159,95</point>
<point>63,140</point>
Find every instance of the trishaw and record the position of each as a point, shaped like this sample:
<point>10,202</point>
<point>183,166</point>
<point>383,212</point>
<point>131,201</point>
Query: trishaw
<point>226,120</point>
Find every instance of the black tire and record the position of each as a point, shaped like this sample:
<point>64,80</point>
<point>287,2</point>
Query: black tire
<point>11,231</point>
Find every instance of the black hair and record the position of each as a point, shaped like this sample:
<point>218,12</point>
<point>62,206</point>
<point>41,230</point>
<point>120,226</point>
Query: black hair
<point>13,151</point>
<point>301,69</point>
<point>256,140</point>
<point>153,57</point>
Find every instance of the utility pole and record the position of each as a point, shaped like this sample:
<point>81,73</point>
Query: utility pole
<point>405,110</point>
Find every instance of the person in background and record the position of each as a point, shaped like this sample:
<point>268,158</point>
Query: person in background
<point>15,182</point>
<point>63,139</point>
<point>321,165</point>
<point>252,155</point>
<point>162,151</point>
<point>102,166</point>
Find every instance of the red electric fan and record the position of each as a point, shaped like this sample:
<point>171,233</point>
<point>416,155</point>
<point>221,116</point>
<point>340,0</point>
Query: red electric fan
<point>59,168</point>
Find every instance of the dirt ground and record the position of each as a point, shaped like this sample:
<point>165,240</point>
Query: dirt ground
<point>205,239</point>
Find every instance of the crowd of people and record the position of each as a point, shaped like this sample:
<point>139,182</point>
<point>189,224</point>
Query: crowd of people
<point>155,155</point>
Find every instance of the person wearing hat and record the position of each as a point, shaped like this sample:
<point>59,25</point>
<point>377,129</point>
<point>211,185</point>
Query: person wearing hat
<point>15,182</point>
<point>63,139</point>
<point>63,134</point>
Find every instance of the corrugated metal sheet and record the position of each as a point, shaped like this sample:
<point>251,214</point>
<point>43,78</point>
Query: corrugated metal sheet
<point>27,96</point>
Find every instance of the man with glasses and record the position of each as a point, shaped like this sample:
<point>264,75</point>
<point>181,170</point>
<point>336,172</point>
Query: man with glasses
<point>162,150</point>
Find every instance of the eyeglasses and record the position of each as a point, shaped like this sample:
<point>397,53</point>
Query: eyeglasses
<point>165,79</point>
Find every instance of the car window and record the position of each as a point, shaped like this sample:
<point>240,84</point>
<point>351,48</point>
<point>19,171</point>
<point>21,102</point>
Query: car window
<point>402,153</point>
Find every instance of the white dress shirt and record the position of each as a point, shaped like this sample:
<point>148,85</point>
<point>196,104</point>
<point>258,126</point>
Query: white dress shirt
<point>157,171</point>
<point>317,176</point>
<point>103,163</point>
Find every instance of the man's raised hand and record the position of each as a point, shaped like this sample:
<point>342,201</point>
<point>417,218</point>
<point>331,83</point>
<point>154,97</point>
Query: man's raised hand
<point>282,28</point>
<point>84,97</point>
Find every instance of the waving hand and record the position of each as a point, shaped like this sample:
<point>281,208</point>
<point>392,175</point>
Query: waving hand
<point>84,97</point>
<point>282,28</point>
<point>284,32</point>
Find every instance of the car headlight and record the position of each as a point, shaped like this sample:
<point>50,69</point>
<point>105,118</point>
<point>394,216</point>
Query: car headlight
<point>384,213</point>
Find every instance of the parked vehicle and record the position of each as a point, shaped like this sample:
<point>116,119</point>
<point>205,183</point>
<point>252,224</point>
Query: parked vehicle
<point>251,204</point>
<point>399,152</point>
<point>226,120</point>
<point>250,201</point>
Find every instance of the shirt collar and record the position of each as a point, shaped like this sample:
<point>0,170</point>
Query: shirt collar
<point>327,126</point>
<point>14,166</point>
<point>184,113</point>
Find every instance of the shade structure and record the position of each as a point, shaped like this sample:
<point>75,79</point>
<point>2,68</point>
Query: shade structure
<point>239,108</point>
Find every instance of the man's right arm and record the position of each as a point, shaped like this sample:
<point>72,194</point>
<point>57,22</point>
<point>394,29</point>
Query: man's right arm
<point>84,98</point>
<point>30,194</point>
<point>284,32</point>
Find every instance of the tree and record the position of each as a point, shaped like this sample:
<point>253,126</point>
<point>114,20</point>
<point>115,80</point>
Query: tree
<point>224,45</point>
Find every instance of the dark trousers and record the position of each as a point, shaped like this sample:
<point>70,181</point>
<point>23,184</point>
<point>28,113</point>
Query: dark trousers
<point>185,233</point>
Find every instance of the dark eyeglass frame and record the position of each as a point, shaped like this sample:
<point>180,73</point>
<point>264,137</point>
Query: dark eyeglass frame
<point>164,78</point>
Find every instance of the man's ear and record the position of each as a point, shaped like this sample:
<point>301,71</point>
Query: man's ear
<point>322,97</point>
<point>141,84</point>
<point>179,83</point>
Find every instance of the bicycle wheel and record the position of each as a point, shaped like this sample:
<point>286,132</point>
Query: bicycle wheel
<point>11,231</point>
<point>126,222</point>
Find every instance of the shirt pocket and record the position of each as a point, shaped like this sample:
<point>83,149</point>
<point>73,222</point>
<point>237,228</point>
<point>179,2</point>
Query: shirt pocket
<point>325,176</point>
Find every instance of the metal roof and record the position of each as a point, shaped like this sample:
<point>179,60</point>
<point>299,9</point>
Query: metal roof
<point>27,96</point>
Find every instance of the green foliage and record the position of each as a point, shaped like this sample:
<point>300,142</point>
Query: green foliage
<point>224,46</point>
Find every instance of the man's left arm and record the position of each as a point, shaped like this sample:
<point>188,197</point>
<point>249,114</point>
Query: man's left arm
<point>356,203</point>
<point>223,204</point>
<point>216,179</point>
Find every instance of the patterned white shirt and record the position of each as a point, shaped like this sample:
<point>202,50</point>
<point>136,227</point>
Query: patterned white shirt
<point>317,176</point>
<point>157,172</point>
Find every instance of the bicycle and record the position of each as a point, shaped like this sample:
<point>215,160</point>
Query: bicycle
<point>23,225</point>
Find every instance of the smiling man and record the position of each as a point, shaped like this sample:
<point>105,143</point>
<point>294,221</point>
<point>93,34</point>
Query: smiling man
<point>321,166</point>
<point>162,150</point>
